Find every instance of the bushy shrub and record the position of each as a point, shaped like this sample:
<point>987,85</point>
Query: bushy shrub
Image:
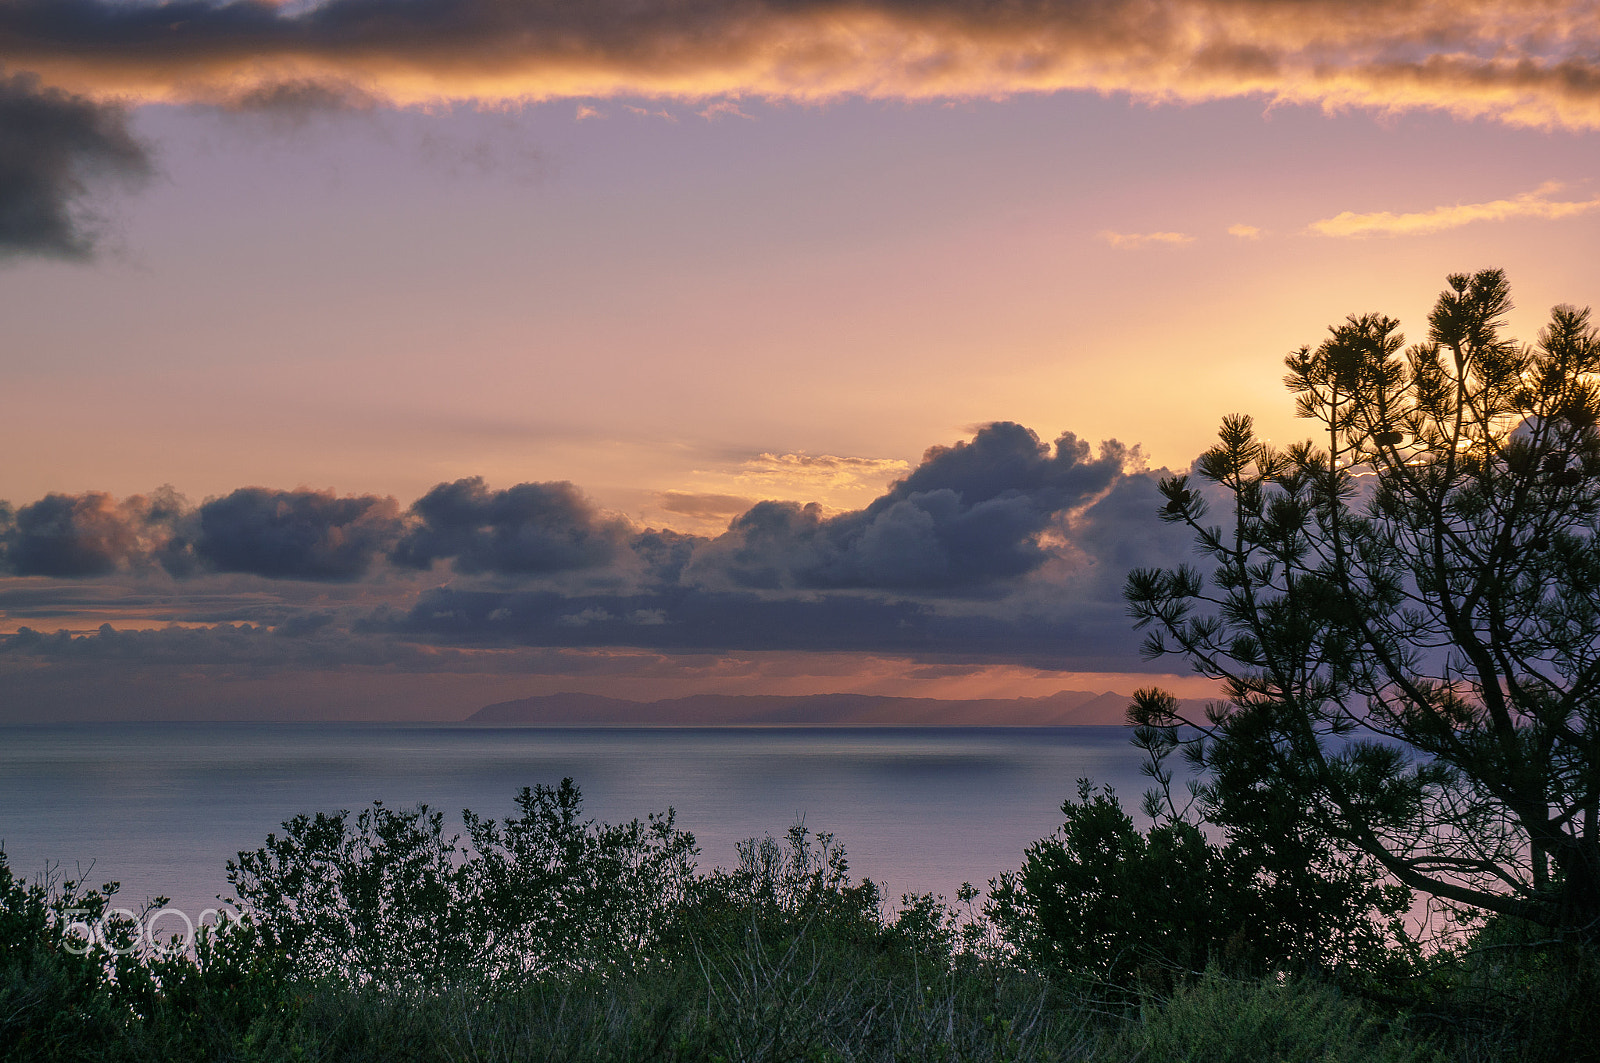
<point>58,995</point>
<point>1218,1019</point>
<point>784,956</point>
<point>1144,909</point>
<point>550,892</point>
<point>1102,899</point>
<point>231,994</point>
<point>373,897</point>
<point>1512,989</point>
<point>387,897</point>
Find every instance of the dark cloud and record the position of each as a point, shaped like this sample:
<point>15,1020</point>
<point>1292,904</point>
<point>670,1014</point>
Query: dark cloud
<point>311,642</point>
<point>304,624</point>
<point>529,529</point>
<point>250,671</point>
<point>315,641</point>
<point>51,598</point>
<point>309,535</point>
<point>1122,532</point>
<point>1522,62</point>
<point>305,535</point>
<point>696,620</point>
<point>222,643</point>
<point>91,534</point>
<point>664,553</point>
<point>999,548</point>
<point>298,99</point>
<point>53,146</point>
<point>62,535</point>
<point>970,516</point>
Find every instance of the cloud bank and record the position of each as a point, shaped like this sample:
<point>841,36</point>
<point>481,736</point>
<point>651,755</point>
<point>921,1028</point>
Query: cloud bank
<point>302,535</point>
<point>970,516</point>
<point>1001,547</point>
<point>1524,62</point>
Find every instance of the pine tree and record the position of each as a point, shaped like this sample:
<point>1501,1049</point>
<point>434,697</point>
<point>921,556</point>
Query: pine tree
<point>1405,613</point>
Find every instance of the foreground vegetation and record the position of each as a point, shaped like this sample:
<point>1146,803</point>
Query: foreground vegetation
<point>545,936</point>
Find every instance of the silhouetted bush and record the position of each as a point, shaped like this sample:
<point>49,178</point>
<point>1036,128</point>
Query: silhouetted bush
<point>59,991</point>
<point>1217,1019</point>
<point>386,897</point>
<point>1513,990</point>
<point>1142,911</point>
<point>1099,898</point>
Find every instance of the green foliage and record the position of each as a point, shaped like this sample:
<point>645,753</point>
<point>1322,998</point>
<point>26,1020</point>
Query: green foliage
<point>1406,617</point>
<point>374,897</point>
<point>233,994</point>
<point>58,994</point>
<point>552,892</point>
<point>1102,899</point>
<point>1146,910</point>
<point>778,889</point>
<point>387,897</point>
<point>1218,1019</point>
<point>79,980</point>
<point>1300,901</point>
<point>1511,989</point>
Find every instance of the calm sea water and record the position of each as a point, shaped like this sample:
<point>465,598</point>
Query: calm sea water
<point>161,807</point>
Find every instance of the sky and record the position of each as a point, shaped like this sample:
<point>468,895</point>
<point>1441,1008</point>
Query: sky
<point>381,359</point>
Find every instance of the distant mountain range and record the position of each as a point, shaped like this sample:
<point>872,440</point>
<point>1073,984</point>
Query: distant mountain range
<point>1064,708</point>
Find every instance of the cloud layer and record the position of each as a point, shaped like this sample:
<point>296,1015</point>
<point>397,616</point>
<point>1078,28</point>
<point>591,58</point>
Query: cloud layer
<point>1526,62</point>
<point>302,535</point>
<point>1001,547</point>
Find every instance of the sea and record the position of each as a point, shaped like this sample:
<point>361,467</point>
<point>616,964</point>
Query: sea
<point>161,807</point>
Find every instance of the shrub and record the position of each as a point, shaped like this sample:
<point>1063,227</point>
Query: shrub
<point>1102,899</point>
<point>1142,910</point>
<point>387,898</point>
<point>63,986</point>
<point>1218,1019</point>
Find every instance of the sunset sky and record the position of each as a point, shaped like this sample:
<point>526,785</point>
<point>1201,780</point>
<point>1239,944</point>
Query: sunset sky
<point>385,358</point>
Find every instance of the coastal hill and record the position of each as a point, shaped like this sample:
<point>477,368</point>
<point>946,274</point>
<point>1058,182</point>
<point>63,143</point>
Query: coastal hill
<point>1066,707</point>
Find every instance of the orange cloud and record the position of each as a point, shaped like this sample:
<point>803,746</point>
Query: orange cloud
<point>645,112</point>
<point>1535,204</point>
<point>1134,241</point>
<point>704,506</point>
<point>1522,62</point>
<point>723,109</point>
<point>713,496</point>
<point>1245,232</point>
<point>808,474</point>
